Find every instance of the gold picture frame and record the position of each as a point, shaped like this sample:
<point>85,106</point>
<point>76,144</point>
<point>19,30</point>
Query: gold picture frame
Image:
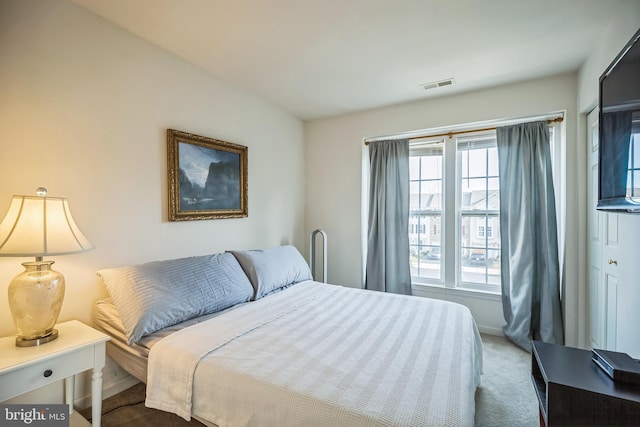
<point>207,178</point>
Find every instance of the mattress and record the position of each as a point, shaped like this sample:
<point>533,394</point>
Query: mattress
<point>133,358</point>
<point>319,355</point>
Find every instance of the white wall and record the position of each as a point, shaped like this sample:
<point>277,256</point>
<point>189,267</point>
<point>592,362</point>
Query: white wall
<point>607,48</point>
<point>84,108</point>
<point>333,171</point>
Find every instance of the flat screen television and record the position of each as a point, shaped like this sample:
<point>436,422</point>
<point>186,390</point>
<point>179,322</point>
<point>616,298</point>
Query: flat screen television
<point>619,135</point>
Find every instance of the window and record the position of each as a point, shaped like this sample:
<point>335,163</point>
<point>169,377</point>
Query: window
<point>481,233</point>
<point>473,242</point>
<point>478,207</point>
<point>633,179</point>
<point>454,222</point>
<point>425,210</point>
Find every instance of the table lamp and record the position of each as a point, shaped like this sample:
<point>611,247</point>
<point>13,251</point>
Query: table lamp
<point>38,226</point>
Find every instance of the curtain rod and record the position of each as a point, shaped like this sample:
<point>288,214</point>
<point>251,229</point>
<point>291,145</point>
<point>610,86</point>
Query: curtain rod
<point>450,134</point>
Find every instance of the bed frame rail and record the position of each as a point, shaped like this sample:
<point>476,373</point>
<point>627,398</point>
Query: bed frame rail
<point>312,254</point>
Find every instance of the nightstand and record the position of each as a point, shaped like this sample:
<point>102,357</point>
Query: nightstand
<point>573,391</point>
<point>78,349</point>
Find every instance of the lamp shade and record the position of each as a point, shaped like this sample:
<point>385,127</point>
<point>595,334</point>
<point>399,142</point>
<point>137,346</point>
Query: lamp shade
<point>39,226</point>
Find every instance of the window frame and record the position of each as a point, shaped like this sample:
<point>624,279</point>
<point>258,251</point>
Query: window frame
<point>461,143</point>
<point>417,149</point>
<point>450,211</point>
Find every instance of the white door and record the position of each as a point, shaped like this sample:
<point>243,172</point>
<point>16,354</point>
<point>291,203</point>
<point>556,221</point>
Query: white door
<point>595,294</point>
<point>602,295</point>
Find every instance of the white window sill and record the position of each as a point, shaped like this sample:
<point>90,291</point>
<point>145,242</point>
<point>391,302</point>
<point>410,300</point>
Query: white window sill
<point>425,289</point>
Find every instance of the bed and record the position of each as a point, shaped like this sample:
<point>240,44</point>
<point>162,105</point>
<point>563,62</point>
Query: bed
<point>294,352</point>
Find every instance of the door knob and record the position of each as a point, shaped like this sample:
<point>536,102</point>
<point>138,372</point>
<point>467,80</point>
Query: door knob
<point>613,261</point>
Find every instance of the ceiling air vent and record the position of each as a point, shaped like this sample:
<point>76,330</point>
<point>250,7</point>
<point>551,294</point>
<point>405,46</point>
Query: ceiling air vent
<point>441,83</point>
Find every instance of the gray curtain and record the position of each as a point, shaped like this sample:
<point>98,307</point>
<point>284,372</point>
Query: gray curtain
<point>387,266</point>
<point>617,128</point>
<point>530,265</point>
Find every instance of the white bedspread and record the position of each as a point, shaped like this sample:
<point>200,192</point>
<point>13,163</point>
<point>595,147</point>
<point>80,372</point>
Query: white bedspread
<point>323,355</point>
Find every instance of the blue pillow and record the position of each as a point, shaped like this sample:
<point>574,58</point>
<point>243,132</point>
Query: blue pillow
<point>159,294</point>
<point>273,268</point>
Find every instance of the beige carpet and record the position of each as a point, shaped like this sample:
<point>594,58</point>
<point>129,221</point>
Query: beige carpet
<point>505,396</point>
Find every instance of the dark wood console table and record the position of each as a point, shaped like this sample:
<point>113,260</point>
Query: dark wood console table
<point>573,391</point>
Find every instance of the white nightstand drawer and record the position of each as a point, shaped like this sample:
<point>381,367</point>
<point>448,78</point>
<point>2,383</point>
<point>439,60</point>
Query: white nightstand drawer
<point>45,372</point>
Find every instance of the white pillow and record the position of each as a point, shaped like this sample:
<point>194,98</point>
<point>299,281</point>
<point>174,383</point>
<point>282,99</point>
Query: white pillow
<point>273,268</point>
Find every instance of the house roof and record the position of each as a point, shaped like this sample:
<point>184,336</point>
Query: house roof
<point>472,200</point>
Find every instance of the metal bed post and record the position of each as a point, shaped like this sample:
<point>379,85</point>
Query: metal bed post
<point>312,254</point>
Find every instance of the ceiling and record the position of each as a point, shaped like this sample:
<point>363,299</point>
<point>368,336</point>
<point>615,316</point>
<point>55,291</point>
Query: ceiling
<point>319,58</point>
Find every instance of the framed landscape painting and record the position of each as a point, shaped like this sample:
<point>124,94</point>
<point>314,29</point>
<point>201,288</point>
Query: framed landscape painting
<point>207,177</point>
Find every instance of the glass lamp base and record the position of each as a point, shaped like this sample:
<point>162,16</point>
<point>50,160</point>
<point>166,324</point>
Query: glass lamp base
<point>35,300</point>
<point>26,342</point>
